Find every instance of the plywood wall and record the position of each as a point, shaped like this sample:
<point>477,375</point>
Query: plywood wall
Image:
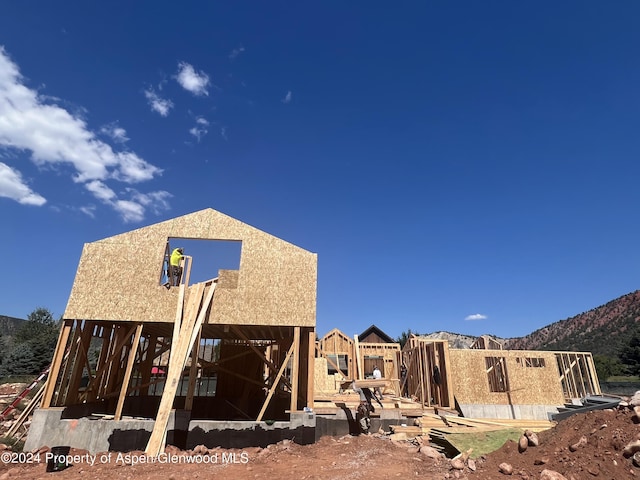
<point>527,384</point>
<point>118,277</point>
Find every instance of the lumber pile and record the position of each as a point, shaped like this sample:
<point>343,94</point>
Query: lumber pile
<point>436,428</point>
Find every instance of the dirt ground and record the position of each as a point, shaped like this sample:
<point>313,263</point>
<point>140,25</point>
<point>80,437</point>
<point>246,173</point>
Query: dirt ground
<point>598,456</point>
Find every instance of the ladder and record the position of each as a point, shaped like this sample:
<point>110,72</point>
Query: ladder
<point>12,406</point>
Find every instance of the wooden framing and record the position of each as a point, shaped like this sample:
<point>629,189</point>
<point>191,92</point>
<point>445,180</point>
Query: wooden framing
<point>578,377</point>
<point>334,344</point>
<point>429,378</point>
<point>486,342</point>
<point>360,358</point>
<point>130,342</point>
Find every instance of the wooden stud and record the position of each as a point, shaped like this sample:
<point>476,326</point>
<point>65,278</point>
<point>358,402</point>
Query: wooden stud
<point>358,360</point>
<point>193,372</point>
<point>61,395</point>
<point>311,368</point>
<point>178,359</point>
<point>58,355</point>
<point>295,367</point>
<point>127,374</point>
<point>275,384</point>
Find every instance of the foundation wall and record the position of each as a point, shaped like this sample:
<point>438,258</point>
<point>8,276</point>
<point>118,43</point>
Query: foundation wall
<point>98,435</point>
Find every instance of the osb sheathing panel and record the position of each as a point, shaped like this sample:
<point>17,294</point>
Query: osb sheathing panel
<point>323,382</point>
<point>528,385</point>
<point>118,277</point>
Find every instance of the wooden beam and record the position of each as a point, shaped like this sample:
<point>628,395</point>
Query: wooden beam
<point>127,373</point>
<point>311,369</point>
<point>61,395</point>
<point>147,364</point>
<point>275,384</point>
<point>189,330</point>
<point>193,372</point>
<point>58,355</point>
<point>94,385</point>
<point>241,334</point>
<point>356,348</point>
<point>295,369</point>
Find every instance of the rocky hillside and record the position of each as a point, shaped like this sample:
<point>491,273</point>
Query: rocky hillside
<point>456,340</point>
<point>602,330</point>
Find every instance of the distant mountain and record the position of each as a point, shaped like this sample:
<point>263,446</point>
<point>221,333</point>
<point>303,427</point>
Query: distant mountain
<point>456,340</point>
<point>602,330</point>
<point>10,325</point>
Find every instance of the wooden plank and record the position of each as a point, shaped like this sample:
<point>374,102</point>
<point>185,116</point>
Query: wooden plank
<point>94,385</point>
<point>311,368</point>
<point>55,364</point>
<point>193,372</point>
<point>275,384</point>
<point>61,395</point>
<point>177,359</point>
<point>358,360</point>
<point>127,373</point>
<point>295,367</point>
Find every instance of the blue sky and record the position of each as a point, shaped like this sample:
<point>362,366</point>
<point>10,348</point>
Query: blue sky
<point>461,166</point>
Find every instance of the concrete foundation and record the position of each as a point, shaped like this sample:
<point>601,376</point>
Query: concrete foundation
<point>99,435</point>
<point>525,412</point>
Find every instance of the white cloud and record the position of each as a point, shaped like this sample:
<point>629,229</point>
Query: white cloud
<point>223,133</point>
<point>13,186</point>
<point>156,201</point>
<point>200,130</point>
<point>131,210</point>
<point>116,132</point>
<point>192,81</point>
<point>476,316</point>
<point>89,210</point>
<point>158,104</point>
<point>235,52</point>
<point>287,97</point>
<point>30,122</point>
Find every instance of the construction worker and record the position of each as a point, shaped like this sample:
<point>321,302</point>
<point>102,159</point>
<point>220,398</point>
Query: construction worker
<point>365,407</point>
<point>377,375</point>
<point>175,267</point>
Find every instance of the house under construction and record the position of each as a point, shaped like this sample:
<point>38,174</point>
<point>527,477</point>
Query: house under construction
<point>233,360</point>
<point>140,362</point>
<point>483,381</point>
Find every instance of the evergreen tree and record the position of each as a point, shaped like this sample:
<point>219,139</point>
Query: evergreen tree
<point>33,345</point>
<point>630,354</point>
<point>607,367</point>
<point>404,336</point>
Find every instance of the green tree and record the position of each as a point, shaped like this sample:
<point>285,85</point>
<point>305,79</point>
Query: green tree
<point>607,367</point>
<point>33,345</point>
<point>404,336</point>
<point>630,354</point>
<point>39,322</point>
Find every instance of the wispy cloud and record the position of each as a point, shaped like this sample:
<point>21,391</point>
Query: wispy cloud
<point>200,129</point>
<point>476,316</point>
<point>192,81</point>
<point>287,97</point>
<point>53,136</point>
<point>14,187</point>
<point>89,210</point>
<point>235,52</point>
<point>115,132</point>
<point>157,103</point>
